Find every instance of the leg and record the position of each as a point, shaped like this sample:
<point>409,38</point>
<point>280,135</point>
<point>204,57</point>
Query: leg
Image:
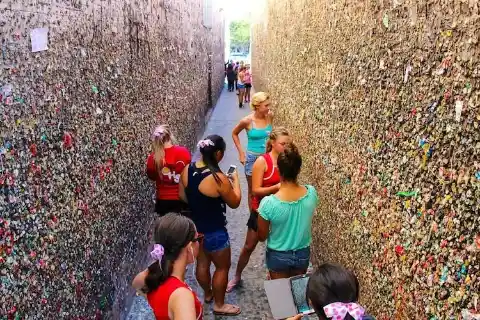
<point>249,183</point>
<point>240,96</point>
<point>222,260</point>
<point>247,94</point>
<point>250,244</point>
<point>203,273</point>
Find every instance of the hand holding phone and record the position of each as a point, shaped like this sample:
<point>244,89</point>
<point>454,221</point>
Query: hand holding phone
<point>231,170</point>
<point>299,293</point>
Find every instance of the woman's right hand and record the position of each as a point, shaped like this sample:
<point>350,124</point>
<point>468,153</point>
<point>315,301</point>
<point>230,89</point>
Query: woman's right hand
<point>242,158</point>
<point>234,177</point>
<point>277,186</point>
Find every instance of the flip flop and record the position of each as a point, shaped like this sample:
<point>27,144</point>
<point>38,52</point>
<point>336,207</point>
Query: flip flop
<point>228,314</point>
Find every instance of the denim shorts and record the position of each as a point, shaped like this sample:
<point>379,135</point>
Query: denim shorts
<point>216,241</point>
<point>249,161</point>
<point>281,261</point>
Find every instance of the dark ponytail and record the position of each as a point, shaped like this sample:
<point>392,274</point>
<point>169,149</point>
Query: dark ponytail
<point>209,148</point>
<point>173,231</point>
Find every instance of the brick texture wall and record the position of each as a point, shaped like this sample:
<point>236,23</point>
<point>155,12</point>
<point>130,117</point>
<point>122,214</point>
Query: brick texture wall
<point>383,100</point>
<point>75,121</point>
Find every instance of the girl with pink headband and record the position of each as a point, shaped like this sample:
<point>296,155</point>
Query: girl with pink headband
<point>333,293</point>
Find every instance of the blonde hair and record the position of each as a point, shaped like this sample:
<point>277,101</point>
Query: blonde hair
<point>274,135</point>
<point>258,98</point>
<point>160,136</point>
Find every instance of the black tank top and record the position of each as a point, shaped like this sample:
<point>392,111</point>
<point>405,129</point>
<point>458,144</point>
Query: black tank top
<point>207,213</point>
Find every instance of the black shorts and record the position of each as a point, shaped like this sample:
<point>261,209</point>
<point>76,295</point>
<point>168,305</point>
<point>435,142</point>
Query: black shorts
<point>248,85</point>
<point>162,207</point>
<point>252,222</point>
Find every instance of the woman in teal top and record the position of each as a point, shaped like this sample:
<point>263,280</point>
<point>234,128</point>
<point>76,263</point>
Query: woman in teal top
<point>258,126</point>
<point>285,219</point>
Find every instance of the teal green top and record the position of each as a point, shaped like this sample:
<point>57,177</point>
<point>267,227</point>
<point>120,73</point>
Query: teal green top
<point>257,138</point>
<point>290,222</point>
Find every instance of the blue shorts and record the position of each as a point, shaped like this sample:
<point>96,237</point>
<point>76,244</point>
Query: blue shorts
<point>240,86</point>
<point>249,161</point>
<point>216,241</point>
<point>282,261</point>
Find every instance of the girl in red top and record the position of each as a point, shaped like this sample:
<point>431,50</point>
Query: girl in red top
<point>176,246</point>
<point>265,181</point>
<point>164,166</point>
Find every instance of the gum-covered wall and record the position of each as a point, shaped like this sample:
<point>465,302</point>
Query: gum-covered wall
<point>75,123</point>
<point>383,99</point>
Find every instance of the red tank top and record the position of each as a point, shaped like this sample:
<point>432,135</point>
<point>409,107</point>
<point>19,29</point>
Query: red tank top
<point>270,178</point>
<point>158,299</point>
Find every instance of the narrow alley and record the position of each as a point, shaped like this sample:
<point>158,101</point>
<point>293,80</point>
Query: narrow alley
<point>380,101</point>
<point>251,295</point>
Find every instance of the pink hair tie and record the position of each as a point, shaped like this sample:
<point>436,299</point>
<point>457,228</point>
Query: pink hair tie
<point>206,142</point>
<point>157,252</point>
<point>159,131</point>
<point>339,310</point>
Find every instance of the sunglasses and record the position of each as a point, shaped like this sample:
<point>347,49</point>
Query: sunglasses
<point>198,238</point>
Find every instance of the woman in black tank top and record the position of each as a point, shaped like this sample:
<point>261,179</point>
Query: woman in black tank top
<point>209,191</point>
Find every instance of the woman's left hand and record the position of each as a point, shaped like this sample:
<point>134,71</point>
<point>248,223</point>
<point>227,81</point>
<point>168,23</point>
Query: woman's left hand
<point>297,317</point>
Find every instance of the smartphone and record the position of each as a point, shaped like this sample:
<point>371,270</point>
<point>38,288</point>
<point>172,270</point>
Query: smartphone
<point>298,284</point>
<point>231,170</point>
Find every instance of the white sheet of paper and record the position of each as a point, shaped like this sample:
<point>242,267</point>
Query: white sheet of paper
<point>39,37</point>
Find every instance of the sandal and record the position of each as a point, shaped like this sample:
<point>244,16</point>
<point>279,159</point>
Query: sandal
<point>228,314</point>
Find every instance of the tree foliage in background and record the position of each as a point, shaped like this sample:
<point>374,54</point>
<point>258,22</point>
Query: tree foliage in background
<point>240,36</point>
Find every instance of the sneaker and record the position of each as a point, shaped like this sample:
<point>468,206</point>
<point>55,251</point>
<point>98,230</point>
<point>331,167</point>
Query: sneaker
<point>240,105</point>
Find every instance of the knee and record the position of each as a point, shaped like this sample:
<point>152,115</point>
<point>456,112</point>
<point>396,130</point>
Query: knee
<point>248,248</point>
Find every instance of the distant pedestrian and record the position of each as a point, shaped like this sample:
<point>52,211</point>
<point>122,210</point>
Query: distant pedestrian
<point>236,68</point>
<point>231,77</point>
<point>247,79</point>
<point>241,86</point>
<point>164,166</point>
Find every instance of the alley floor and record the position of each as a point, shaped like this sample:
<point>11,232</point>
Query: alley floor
<point>251,295</point>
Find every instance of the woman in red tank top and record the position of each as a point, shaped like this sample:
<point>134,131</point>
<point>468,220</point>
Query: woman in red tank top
<point>176,246</point>
<point>164,166</point>
<point>265,181</point>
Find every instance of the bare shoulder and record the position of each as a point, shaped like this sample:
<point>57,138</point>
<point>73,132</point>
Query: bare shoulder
<point>245,122</point>
<point>248,119</point>
<point>181,294</point>
<point>270,116</point>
